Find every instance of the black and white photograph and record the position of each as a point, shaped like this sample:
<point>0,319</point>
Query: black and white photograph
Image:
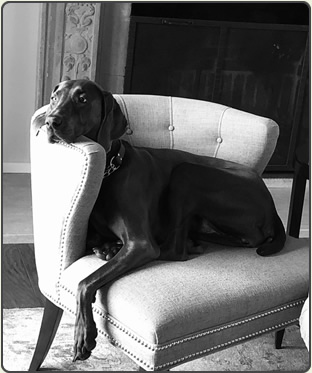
<point>156,186</point>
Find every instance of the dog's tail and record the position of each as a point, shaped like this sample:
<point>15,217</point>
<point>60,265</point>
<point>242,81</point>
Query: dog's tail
<point>274,244</point>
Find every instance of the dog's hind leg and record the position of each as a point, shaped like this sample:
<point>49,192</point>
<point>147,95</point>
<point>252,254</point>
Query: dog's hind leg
<point>178,243</point>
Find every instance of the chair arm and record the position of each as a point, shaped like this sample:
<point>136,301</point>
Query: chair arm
<point>65,181</point>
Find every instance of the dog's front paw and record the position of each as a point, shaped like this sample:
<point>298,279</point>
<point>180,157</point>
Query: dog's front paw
<point>85,335</point>
<point>85,328</point>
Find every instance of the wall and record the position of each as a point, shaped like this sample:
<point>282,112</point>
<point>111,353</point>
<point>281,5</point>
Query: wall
<point>20,51</point>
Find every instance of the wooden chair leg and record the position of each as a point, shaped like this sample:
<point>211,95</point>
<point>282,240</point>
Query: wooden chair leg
<point>279,338</point>
<point>296,201</point>
<point>50,321</point>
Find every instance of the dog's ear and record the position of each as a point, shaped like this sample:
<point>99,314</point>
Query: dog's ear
<point>114,123</point>
<point>37,123</point>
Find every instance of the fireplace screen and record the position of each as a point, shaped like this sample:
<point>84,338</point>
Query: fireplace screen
<point>259,68</point>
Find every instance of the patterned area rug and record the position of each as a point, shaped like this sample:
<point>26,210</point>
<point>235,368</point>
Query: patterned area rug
<point>21,328</point>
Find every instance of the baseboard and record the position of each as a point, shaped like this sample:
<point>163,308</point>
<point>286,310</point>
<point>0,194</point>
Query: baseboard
<point>16,168</point>
<point>304,233</point>
<point>278,182</point>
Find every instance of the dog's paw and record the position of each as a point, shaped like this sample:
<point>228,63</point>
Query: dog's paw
<point>108,250</point>
<point>84,340</point>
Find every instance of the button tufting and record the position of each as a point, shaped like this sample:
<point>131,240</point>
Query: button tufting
<point>219,140</point>
<point>129,131</point>
<point>171,128</point>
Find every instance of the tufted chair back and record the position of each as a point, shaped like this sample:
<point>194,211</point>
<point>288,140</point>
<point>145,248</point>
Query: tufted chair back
<point>199,127</point>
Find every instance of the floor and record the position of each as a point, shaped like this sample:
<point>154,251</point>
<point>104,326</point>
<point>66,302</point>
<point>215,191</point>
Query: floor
<point>18,262</point>
<point>17,212</point>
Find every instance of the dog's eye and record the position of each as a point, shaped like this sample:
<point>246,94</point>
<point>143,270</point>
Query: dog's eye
<point>82,99</point>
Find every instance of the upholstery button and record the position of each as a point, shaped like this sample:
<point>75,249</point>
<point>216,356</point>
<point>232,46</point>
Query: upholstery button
<point>129,131</point>
<point>171,128</point>
<point>219,140</point>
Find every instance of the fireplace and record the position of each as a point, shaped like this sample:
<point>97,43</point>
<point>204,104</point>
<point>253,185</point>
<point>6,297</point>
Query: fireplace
<point>254,62</point>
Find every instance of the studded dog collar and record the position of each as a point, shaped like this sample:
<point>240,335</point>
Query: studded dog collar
<point>114,161</point>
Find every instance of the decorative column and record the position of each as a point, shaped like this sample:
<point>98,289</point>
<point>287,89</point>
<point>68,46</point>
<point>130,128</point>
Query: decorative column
<point>82,41</point>
<point>113,45</point>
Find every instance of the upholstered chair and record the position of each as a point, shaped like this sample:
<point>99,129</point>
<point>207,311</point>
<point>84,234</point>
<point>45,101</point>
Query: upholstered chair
<point>165,313</point>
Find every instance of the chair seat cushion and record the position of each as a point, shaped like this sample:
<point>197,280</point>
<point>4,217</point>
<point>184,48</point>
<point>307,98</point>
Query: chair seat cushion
<point>166,313</point>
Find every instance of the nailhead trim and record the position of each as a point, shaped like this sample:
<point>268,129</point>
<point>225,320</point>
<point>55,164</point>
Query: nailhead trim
<point>188,357</point>
<point>65,224</point>
<point>68,290</point>
<point>222,345</point>
<point>110,338</point>
<point>199,335</point>
<point>123,348</point>
<point>114,323</point>
<point>59,303</point>
<point>123,329</point>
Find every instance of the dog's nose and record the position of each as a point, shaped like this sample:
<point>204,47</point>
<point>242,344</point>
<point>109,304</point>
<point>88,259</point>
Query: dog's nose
<point>53,121</point>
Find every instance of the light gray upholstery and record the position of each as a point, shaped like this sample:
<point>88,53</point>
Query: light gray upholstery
<point>200,127</point>
<point>165,313</point>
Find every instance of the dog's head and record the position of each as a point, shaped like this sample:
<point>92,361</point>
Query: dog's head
<point>81,107</point>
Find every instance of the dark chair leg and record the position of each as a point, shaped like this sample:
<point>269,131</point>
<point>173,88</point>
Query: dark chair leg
<point>296,201</point>
<point>279,338</point>
<point>50,321</point>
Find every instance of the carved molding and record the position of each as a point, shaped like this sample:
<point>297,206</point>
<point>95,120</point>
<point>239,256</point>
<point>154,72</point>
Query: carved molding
<point>79,37</point>
<point>70,47</point>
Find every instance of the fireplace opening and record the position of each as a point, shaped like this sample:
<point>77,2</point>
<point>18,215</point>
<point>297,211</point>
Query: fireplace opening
<point>252,57</point>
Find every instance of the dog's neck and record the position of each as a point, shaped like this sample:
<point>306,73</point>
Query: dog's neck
<point>114,157</point>
<point>93,133</point>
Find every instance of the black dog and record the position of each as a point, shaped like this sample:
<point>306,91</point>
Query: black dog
<point>155,201</point>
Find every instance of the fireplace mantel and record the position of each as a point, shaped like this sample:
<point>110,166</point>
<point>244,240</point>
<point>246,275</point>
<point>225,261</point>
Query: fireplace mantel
<point>82,41</point>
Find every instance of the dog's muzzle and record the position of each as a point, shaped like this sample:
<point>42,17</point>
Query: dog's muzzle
<point>54,121</point>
